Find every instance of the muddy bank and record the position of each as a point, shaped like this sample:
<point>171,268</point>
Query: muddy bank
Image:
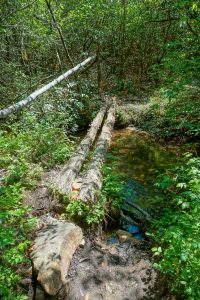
<point>110,272</point>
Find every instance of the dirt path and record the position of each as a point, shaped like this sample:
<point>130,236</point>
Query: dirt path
<point>112,272</point>
<point>100,269</point>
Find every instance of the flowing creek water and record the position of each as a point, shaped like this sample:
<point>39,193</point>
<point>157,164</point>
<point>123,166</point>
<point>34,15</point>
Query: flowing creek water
<point>140,159</point>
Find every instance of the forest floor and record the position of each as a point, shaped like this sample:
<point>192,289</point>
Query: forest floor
<point>117,271</point>
<point>100,268</point>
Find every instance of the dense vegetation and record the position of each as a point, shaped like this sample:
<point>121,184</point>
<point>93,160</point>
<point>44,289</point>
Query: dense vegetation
<point>149,46</point>
<point>177,228</point>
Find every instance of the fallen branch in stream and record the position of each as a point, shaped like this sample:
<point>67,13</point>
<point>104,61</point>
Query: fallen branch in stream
<point>142,211</point>
<point>128,219</point>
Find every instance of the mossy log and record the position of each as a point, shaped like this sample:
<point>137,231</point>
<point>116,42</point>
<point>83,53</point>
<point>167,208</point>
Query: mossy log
<point>92,181</point>
<point>64,180</point>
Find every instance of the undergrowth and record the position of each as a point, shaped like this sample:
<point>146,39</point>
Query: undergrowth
<point>31,142</point>
<point>108,200</point>
<point>176,229</point>
<point>173,114</point>
<point>170,113</point>
<point>27,148</point>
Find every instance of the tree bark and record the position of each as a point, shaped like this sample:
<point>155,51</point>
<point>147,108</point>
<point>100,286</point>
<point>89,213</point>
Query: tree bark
<point>98,69</point>
<point>65,179</point>
<point>92,181</point>
<point>34,95</point>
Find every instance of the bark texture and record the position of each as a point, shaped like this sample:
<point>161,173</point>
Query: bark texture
<point>92,181</point>
<point>34,95</point>
<point>64,180</point>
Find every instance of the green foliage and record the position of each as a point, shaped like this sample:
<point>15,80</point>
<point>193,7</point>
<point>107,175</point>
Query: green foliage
<point>31,142</point>
<point>15,226</point>
<point>92,213</point>
<point>177,230</point>
<point>27,147</point>
<point>109,199</point>
<point>122,118</point>
<point>112,184</point>
<point>172,115</point>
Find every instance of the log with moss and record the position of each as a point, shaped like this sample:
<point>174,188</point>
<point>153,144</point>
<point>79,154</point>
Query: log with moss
<point>65,179</point>
<point>92,181</point>
<point>34,95</point>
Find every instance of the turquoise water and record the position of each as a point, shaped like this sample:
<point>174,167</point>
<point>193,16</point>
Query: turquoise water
<point>140,159</point>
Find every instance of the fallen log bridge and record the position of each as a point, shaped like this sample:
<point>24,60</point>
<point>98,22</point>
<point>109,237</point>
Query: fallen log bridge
<point>92,180</point>
<point>64,180</point>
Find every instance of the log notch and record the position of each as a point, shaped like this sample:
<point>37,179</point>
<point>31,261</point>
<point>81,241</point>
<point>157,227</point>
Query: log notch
<point>65,179</point>
<point>34,95</point>
<point>93,179</point>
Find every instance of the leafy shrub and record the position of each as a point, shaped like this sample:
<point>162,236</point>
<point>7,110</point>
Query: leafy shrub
<point>26,147</point>
<point>177,228</point>
<point>172,114</point>
<point>92,213</point>
<point>109,199</point>
<point>15,227</point>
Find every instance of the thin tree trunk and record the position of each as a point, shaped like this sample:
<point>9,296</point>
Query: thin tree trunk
<point>98,69</point>
<point>59,59</point>
<point>65,179</point>
<point>92,181</point>
<point>122,43</point>
<point>57,25</point>
<point>34,95</point>
<point>59,29</point>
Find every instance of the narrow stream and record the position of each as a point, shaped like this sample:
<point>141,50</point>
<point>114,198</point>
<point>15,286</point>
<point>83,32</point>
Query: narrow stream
<point>140,159</point>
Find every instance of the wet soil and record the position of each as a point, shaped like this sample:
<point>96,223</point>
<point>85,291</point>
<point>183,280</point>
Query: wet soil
<point>122,271</point>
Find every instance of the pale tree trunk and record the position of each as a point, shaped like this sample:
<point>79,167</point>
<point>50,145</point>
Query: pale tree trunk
<point>92,181</point>
<point>58,57</point>
<point>65,179</point>
<point>34,95</point>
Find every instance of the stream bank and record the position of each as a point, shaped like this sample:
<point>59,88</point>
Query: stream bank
<point>119,264</point>
<point>116,264</point>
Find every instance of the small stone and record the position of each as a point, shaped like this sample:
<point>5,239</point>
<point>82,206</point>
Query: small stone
<point>25,281</point>
<point>108,288</point>
<point>82,243</point>
<point>112,240</point>
<point>76,186</point>
<point>132,228</point>
<point>125,236</point>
